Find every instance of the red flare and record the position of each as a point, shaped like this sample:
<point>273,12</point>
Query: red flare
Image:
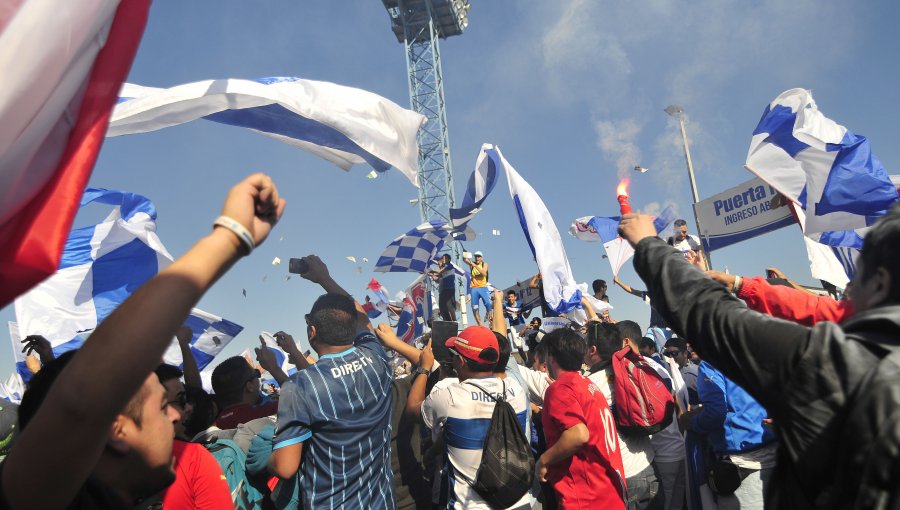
<point>622,196</point>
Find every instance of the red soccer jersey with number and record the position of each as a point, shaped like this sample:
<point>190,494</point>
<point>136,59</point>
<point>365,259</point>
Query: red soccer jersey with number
<point>593,477</point>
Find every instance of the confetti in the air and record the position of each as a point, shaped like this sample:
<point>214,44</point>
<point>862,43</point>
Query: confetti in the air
<point>276,261</point>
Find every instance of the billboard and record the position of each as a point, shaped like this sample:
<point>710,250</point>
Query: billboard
<point>740,213</point>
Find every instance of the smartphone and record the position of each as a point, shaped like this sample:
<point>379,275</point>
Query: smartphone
<point>298,266</point>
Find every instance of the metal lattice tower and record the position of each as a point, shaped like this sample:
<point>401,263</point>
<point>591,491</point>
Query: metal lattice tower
<point>418,25</point>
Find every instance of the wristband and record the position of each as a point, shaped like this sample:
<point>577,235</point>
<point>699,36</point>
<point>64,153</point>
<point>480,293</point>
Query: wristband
<point>738,282</point>
<point>418,371</point>
<point>238,229</point>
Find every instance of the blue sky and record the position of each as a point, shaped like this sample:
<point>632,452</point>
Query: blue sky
<point>573,92</point>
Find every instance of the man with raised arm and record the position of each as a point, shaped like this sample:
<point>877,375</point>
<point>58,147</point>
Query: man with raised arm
<point>334,417</point>
<point>832,390</point>
<point>98,430</point>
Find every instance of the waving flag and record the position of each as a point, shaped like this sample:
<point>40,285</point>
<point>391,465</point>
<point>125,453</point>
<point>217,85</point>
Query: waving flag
<point>343,125</point>
<point>101,266</point>
<point>375,309</point>
<point>415,310</point>
<point>560,289</point>
<point>414,250</point>
<point>62,65</point>
<point>605,228</point>
<point>480,185</point>
<point>823,167</point>
<point>210,334</point>
<point>582,229</point>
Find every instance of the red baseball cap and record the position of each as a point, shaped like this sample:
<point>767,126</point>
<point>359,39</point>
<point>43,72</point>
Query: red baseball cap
<point>472,342</point>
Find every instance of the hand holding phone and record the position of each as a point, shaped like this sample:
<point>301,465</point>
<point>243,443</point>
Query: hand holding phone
<point>298,266</point>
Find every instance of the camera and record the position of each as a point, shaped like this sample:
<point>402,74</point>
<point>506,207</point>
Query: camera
<point>298,266</point>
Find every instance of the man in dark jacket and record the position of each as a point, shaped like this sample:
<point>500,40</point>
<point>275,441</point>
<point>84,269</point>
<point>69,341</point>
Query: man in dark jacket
<point>833,391</point>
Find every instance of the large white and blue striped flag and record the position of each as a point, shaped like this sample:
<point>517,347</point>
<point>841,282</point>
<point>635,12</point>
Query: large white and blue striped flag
<point>560,289</point>
<point>343,125</point>
<point>101,266</point>
<point>823,167</point>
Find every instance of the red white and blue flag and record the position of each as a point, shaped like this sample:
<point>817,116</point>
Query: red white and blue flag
<point>62,65</point>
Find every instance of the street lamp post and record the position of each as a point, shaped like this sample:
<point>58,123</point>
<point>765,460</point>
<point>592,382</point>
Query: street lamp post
<point>678,113</point>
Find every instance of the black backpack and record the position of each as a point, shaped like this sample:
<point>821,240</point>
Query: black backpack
<point>506,471</point>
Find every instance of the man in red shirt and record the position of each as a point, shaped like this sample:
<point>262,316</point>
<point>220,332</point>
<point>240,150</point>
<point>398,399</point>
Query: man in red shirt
<point>582,460</point>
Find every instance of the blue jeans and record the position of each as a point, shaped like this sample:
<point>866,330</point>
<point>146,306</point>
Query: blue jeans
<point>643,491</point>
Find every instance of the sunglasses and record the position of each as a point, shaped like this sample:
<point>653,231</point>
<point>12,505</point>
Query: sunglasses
<point>672,354</point>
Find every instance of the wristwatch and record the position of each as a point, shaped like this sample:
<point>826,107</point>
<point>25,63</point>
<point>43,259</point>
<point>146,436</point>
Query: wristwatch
<point>419,370</point>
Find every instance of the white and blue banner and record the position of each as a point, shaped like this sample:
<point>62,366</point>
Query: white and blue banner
<point>560,289</point>
<point>823,167</point>
<point>740,213</point>
<point>101,266</point>
<point>343,125</point>
<point>606,230</point>
<point>210,334</point>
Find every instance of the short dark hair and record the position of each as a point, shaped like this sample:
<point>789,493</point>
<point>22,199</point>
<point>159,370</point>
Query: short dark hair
<point>229,378</point>
<point>446,257</point>
<point>647,343</point>
<point>880,250</point>
<point>167,372</point>
<point>680,222</point>
<point>630,330</point>
<point>598,284</point>
<point>505,353</point>
<point>512,292</point>
<point>567,347</point>
<point>41,382</point>
<point>541,350</point>
<point>678,342</point>
<point>538,319</point>
<point>476,366</point>
<point>334,317</point>
<point>605,338</point>
<point>204,413</point>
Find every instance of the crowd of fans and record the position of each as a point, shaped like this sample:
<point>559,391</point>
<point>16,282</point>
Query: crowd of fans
<point>800,412</point>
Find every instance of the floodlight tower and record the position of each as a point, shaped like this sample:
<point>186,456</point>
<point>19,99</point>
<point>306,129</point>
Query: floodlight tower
<point>418,25</point>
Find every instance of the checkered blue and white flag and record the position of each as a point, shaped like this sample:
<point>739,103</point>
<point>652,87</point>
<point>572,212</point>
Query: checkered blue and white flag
<point>414,250</point>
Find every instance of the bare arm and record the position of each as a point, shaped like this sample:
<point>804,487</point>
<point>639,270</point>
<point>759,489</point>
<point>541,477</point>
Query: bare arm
<point>285,462</point>
<point>390,341</point>
<point>70,430</point>
<point>189,364</point>
<point>417,391</point>
<point>318,273</point>
<point>589,309</point>
<point>498,321</point>
<point>534,281</point>
<point>266,359</point>
<point>627,288</point>
<point>287,344</point>
<point>569,443</point>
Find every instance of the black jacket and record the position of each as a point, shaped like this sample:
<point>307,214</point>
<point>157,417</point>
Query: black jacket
<point>833,391</point>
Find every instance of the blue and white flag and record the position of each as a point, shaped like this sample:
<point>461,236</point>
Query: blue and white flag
<point>415,310</point>
<point>101,266</point>
<point>415,250</point>
<point>343,125</point>
<point>211,334</point>
<point>560,289</point>
<point>480,185</point>
<point>823,167</point>
<point>605,229</point>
